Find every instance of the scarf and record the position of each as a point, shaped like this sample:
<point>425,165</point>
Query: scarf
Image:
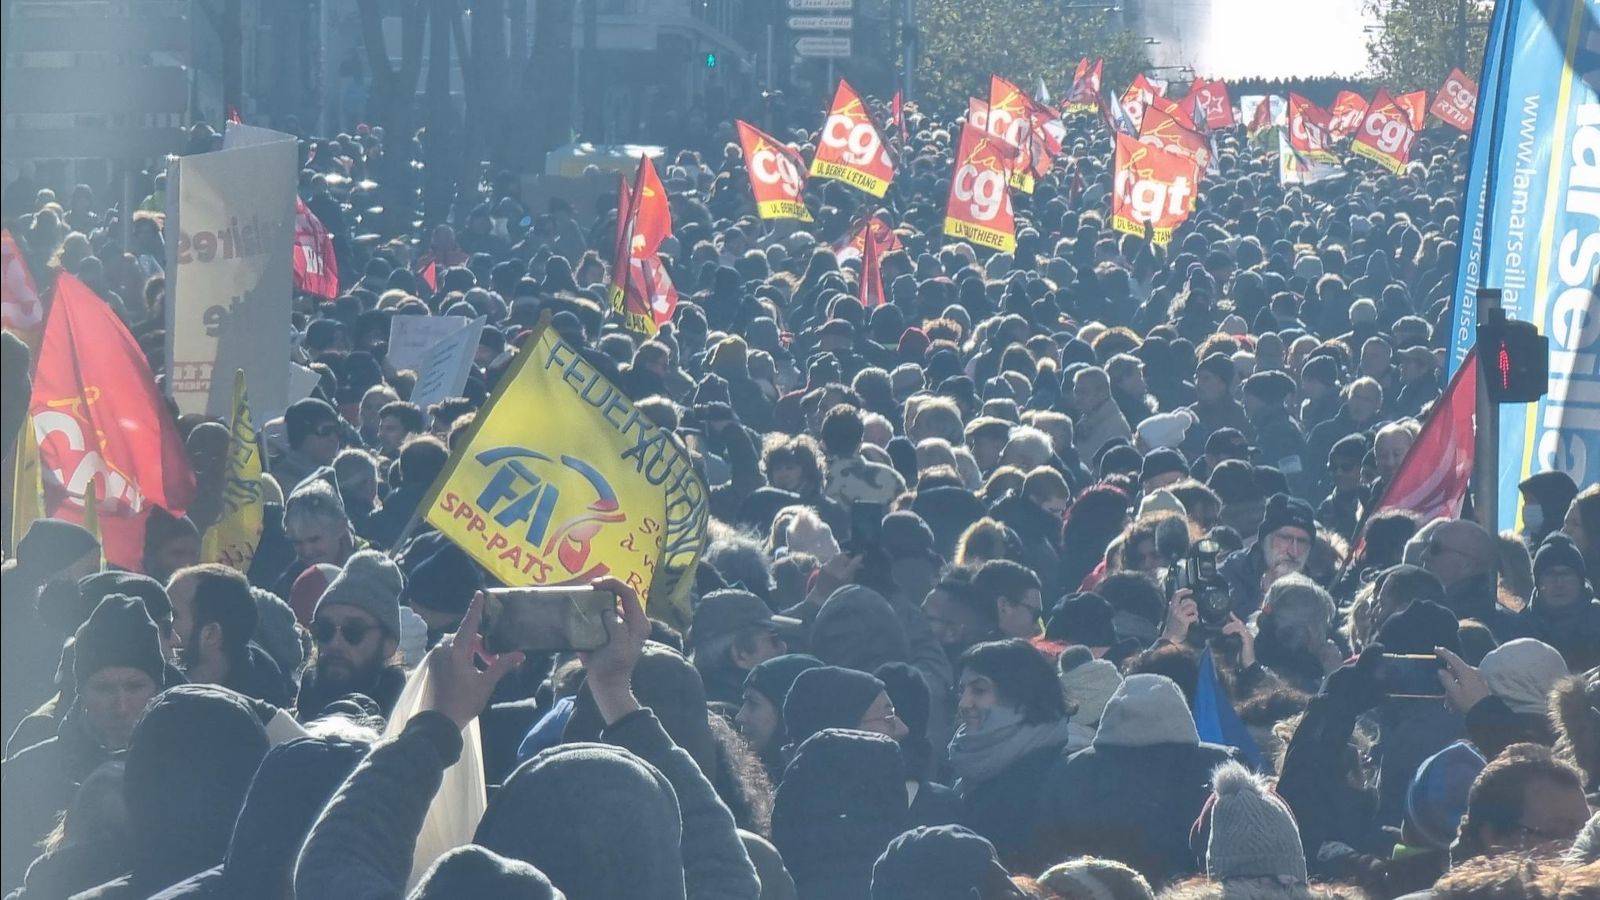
<point>978,755</point>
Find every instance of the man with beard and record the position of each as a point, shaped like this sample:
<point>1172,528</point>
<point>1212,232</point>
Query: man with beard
<point>215,618</point>
<point>1283,544</point>
<point>44,574</point>
<point>356,626</point>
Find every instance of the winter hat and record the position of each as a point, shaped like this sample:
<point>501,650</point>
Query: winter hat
<point>946,862</point>
<point>666,683</point>
<point>1083,618</point>
<point>275,631</point>
<point>858,629</point>
<point>369,581</point>
<point>472,871</point>
<point>1558,550</point>
<point>1419,627</point>
<point>564,811</point>
<point>1523,672</point>
<point>841,801</point>
<point>1437,797</point>
<point>1118,457</point>
<point>52,545</point>
<point>1088,684</point>
<point>1553,490</point>
<point>316,494</point>
<point>1166,430</point>
<point>1099,879</point>
<point>1219,365</point>
<point>1145,710</point>
<point>118,633</point>
<point>827,697</point>
<point>1233,324</point>
<point>295,781</point>
<point>1253,833</point>
<point>1270,386</point>
<point>807,533</point>
<point>308,588</point>
<point>774,677</point>
<point>1162,461</point>
<point>1284,511</point>
<point>1162,501</point>
<point>189,763</point>
<point>908,691</point>
<point>445,581</point>
<point>95,588</point>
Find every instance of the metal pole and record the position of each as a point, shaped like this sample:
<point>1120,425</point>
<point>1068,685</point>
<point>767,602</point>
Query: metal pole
<point>1486,445</point>
<point>909,27</point>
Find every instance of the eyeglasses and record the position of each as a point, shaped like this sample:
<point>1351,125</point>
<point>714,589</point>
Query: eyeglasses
<point>355,633</point>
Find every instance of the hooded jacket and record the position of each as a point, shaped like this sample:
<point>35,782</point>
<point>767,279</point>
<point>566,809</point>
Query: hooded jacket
<point>841,802</point>
<point>189,763</point>
<point>39,783</point>
<point>1134,793</point>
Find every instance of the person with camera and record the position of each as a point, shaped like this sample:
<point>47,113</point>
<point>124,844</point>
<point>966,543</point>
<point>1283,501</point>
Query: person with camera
<point>1283,545</point>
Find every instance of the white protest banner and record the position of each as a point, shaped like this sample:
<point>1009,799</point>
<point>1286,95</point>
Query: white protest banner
<point>412,337</point>
<point>444,372</point>
<point>230,272</point>
<point>302,381</point>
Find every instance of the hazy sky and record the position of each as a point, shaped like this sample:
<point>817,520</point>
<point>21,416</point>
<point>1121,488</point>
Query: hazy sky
<point>1270,38</point>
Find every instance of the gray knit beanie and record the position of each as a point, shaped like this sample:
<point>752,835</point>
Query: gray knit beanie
<point>1088,683</point>
<point>369,581</point>
<point>1253,833</point>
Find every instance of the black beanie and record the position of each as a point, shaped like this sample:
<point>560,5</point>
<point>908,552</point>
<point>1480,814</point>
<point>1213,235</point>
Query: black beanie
<point>1559,550</point>
<point>119,633</point>
<point>473,871</point>
<point>51,545</point>
<point>1418,628</point>
<point>95,588</point>
<point>828,697</point>
<point>775,676</point>
<point>444,582</point>
<point>1284,511</point>
<point>947,862</point>
<point>1162,461</point>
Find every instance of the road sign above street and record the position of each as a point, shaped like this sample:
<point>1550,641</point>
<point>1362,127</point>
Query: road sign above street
<point>821,23</point>
<point>823,46</point>
<point>820,5</point>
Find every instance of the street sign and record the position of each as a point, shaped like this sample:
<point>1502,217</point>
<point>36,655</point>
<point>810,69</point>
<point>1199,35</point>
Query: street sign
<point>820,5</point>
<point>822,46</point>
<point>821,23</point>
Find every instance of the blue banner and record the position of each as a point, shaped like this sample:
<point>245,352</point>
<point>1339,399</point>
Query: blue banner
<point>1531,227</point>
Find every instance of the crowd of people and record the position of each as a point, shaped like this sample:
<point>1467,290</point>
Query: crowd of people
<point>1059,574</point>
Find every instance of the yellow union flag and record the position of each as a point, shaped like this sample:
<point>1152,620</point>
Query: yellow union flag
<point>561,480</point>
<point>27,501</point>
<point>233,539</point>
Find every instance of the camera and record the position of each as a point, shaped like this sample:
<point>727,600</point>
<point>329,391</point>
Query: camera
<point>1198,572</point>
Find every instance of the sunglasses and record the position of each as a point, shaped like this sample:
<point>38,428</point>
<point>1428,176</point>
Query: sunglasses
<point>355,633</point>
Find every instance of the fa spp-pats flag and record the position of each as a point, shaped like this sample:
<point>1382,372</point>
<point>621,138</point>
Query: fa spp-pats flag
<point>316,269</point>
<point>776,173</point>
<point>588,487</point>
<point>1151,188</point>
<point>1084,95</point>
<point>978,208</point>
<point>99,419</point>
<point>1385,135</point>
<point>642,293</point>
<point>1456,101</point>
<point>233,538</point>
<point>851,147</point>
<point>1308,130</point>
<point>21,309</point>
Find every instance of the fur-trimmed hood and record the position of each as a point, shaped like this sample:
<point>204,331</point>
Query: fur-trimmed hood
<point>1575,711</point>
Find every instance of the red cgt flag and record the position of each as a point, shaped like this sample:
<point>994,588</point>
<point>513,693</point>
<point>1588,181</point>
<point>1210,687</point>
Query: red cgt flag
<point>855,243</point>
<point>1153,187</point>
<point>1346,114</point>
<point>316,269</point>
<point>1457,101</point>
<point>978,208</point>
<point>1084,95</point>
<point>99,419</point>
<point>1309,130</point>
<point>850,147</point>
<point>1432,479</point>
<point>1415,105</point>
<point>777,174</point>
<point>1169,132</point>
<point>641,292</point>
<point>1385,136</point>
<point>21,309</point>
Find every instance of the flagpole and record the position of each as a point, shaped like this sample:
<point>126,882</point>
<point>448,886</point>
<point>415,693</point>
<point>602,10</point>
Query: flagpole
<point>1486,449</point>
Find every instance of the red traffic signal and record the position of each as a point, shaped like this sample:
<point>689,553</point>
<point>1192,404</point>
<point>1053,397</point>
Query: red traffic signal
<point>1514,357</point>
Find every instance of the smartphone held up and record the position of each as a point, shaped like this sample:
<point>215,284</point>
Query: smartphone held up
<point>547,619</point>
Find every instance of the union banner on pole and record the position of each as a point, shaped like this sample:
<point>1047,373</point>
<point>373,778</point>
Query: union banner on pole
<point>587,487</point>
<point>777,174</point>
<point>979,206</point>
<point>1385,135</point>
<point>1153,187</point>
<point>233,539</point>
<point>851,147</point>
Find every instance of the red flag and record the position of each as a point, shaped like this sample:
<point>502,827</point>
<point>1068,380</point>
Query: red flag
<point>1457,101</point>
<point>853,246</point>
<point>1308,130</point>
<point>1139,95</point>
<point>316,269</point>
<point>777,174</point>
<point>850,147</point>
<point>897,109</point>
<point>99,418</point>
<point>978,208</point>
<point>21,310</point>
<point>870,292</point>
<point>1167,131</point>
<point>1153,187</point>
<point>1261,122</point>
<point>1084,95</point>
<point>1415,105</point>
<point>1209,104</point>
<point>641,291</point>
<point>1432,479</point>
<point>1385,136</point>
<point>1345,116</point>
<point>430,276</point>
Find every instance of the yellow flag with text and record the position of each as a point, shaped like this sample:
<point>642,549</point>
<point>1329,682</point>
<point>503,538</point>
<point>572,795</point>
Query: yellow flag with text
<point>561,479</point>
<point>27,490</point>
<point>233,539</point>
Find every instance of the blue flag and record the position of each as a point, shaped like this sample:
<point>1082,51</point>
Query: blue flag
<point>1531,228</point>
<point>1215,717</point>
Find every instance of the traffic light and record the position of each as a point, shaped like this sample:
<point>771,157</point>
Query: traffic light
<point>711,60</point>
<point>1515,358</point>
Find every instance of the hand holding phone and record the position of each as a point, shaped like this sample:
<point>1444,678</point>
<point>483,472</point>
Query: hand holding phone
<point>1415,676</point>
<point>1463,685</point>
<point>457,687</point>
<point>548,619</point>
